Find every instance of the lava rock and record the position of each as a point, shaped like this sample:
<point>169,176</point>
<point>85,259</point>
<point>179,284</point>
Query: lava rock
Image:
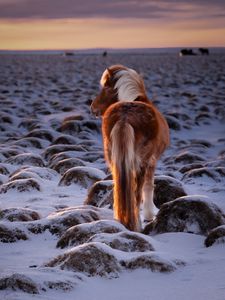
<point>191,214</point>
<point>26,159</point>
<point>18,282</point>
<point>83,176</point>
<point>167,189</point>
<point>93,259</point>
<point>64,165</point>
<point>217,235</point>
<point>19,214</point>
<point>101,194</point>
<point>149,261</point>
<point>124,241</point>
<point>80,234</point>
<point>20,185</point>
<point>11,235</point>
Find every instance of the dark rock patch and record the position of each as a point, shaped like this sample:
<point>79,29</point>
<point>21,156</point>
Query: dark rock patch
<point>173,123</point>
<point>167,189</point>
<point>82,176</point>
<point>65,140</point>
<point>80,234</point>
<point>93,259</point>
<point>4,170</point>
<point>58,222</point>
<point>217,174</point>
<point>64,165</point>
<point>21,185</point>
<point>191,214</point>
<point>26,159</point>
<point>149,261</point>
<point>55,149</point>
<point>9,234</point>
<point>124,241</point>
<point>216,235</point>
<point>101,194</point>
<point>41,134</point>
<point>19,214</point>
<point>19,282</point>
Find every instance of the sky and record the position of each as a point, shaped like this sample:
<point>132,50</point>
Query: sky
<point>80,24</point>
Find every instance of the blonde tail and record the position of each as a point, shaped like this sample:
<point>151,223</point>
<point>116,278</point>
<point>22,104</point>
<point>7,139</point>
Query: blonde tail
<point>124,175</point>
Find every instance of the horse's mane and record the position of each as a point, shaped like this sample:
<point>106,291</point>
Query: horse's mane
<point>127,82</point>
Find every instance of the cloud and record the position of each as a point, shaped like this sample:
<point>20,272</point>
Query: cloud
<point>145,9</point>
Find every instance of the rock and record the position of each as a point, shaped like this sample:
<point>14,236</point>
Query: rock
<point>20,185</point>
<point>11,235</point>
<point>173,123</point>
<point>188,158</point>
<point>124,241</point>
<point>64,165</point>
<point>217,174</point>
<point>190,167</point>
<point>64,286</point>
<point>82,176</point>
<point>167,189</point>
<point>149,261</point>
<point>59,221</point>
<point>4,170</point>
<point>101,194</point>
<point>55,149</point>
<point>216,235</point>
<point>80,234</point>
<point>92,259</point>
<point>66,140</point>
<point>19,214</point>
<point>41,134</point>
<point>18,282</point>
<point>26,159</point>
<point>193,214</point>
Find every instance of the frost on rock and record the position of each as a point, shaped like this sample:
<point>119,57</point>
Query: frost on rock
<point>191,214</point>
<point>20,185</point>
<point>18,282</point>
<point>26,159</point>
<point>9,234</point>
<point>167,189</point>
<point>64,165</point>
<point>80,234</point>
<point>92,259</point>
<point>215,236</point>
<point>101,194</point>
<point>149,261</point>
<point>215,173</point>
<point>19,214</point>
<point>59,221</point>
<point>124,241</point>
<point>82,176</point>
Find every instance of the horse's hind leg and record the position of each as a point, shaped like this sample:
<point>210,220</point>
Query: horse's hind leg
<point>148,192</point>
<point>138,196</point>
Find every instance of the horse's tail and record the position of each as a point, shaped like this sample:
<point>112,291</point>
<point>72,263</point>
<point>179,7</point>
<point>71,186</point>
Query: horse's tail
<point>123,163</point>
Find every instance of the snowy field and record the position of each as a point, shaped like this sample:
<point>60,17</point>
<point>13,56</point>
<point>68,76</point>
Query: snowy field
<point>58,238</point>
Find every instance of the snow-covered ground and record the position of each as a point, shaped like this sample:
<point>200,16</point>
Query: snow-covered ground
<point>53,245</point>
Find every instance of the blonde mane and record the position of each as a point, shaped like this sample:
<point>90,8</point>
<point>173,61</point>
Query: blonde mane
<point>128,83</point>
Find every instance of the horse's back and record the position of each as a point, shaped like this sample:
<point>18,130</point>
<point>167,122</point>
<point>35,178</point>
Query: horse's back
<point>148,123</point>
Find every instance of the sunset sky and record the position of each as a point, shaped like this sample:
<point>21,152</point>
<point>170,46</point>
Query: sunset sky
<point>78,24</point>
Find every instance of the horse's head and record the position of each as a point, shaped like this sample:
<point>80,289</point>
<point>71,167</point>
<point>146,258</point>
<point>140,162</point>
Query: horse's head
<point>118,83</point>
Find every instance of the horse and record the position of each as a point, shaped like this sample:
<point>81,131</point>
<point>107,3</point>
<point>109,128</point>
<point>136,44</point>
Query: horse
<point>135,134</point>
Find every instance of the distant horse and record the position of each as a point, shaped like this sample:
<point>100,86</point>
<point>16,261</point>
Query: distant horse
<point>135,134</point>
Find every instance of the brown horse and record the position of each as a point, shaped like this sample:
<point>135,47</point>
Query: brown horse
<point>135,134</point>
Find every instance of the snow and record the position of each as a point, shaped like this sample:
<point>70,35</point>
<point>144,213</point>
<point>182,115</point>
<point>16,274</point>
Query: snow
<point>178,86</point>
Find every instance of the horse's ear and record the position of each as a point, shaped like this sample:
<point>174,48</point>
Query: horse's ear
<point>109,72</point>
